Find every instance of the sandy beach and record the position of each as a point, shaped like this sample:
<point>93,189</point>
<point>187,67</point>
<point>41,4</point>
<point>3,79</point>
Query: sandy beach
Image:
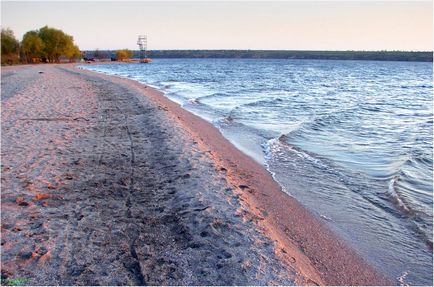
<point>105,181</point>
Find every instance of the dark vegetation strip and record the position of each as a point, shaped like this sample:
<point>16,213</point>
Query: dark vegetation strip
<point>279,54</point>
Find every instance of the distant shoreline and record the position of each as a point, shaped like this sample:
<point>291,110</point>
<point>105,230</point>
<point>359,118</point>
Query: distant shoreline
<point>426,56</point>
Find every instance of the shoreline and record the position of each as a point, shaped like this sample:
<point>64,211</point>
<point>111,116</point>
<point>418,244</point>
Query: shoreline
<point>121,167</point>
<point>300,238</point>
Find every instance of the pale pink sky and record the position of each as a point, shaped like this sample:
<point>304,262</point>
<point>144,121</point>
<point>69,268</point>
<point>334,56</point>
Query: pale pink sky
<point>289,25</point>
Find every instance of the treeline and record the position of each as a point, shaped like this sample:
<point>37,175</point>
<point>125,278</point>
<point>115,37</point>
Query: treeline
<point>118,55</point>
<point>274,54</point>
<point>48,45</point>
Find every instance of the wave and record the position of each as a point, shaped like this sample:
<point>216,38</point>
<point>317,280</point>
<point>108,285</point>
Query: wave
<point>396,198</point>
<point>194,101</point>
<point>315,168</point>
<point>264,103</point>
<point>317,123</point>
<point>415,86</point>
<point>281,146</point>
<point>413,215</point>
<point>215,95</point>
<point>301,126</point>
<point>187,90</point>
<point>390,200</point>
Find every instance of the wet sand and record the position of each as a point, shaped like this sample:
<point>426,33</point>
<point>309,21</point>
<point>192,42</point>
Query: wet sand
<point>107,182</point>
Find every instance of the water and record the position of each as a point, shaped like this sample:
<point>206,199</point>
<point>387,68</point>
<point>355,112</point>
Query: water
<point>351,140</point>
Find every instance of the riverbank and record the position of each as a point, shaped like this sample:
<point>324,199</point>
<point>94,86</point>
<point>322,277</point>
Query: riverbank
<point>106,181</point>
<point>407,56</point>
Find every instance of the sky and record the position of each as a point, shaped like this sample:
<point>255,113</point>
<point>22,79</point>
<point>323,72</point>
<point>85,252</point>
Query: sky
<point>283,25</point>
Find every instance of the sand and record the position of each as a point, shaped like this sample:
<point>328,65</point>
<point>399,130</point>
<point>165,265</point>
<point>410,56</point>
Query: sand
<point>107,182</point>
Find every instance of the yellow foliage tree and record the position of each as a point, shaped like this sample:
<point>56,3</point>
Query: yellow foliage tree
<point>57,44</point>
<point>32,46</point>
<point>123,55</point>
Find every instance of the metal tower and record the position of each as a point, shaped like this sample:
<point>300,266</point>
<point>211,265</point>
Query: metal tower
<point>142,41</point>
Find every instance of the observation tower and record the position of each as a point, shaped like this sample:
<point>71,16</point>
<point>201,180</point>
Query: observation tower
<point>142,41</point>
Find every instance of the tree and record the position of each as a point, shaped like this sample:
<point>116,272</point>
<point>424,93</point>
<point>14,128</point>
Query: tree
<point>9,47</point>
<point>32,46</point>
<point>100,54</point>
<point>56,44</point>
<point>97,54</point>
<point>122,55</point>
<point>73,52</point>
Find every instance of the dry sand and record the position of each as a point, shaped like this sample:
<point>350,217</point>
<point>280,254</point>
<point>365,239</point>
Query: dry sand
<point>107,182</point>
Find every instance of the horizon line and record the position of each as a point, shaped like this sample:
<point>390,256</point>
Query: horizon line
<point>286,50</point>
